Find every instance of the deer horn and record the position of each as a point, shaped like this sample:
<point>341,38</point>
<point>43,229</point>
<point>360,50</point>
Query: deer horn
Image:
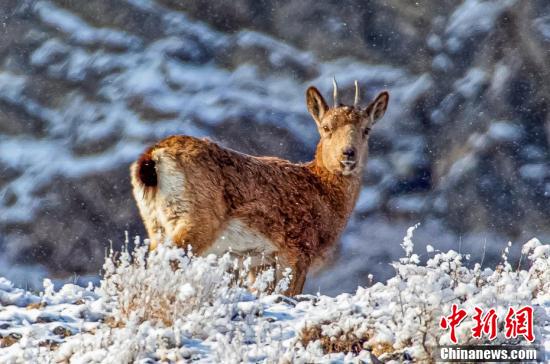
<point>335,91</point>
<point>356,100</point>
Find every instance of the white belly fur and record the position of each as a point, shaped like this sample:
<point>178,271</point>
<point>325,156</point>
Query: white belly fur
<point>243,241</point>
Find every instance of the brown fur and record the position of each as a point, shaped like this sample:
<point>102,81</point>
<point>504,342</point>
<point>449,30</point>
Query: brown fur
<point>301,208</point>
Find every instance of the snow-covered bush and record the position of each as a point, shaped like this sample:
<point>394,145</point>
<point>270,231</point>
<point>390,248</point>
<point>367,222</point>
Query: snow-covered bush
<point>164,285</point>
<point>157,302</point>
<point>400,319</point>
<point>169,283</point>
<point>171,306</point>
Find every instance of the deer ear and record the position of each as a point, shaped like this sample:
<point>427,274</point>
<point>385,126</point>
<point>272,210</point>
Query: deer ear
<point>378,107</point>
<point>316,105</point>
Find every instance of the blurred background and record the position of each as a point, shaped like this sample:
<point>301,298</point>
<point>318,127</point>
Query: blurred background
<point>85,86</point>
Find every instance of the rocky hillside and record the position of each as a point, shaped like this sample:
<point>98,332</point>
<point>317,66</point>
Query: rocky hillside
<point>85,86</point>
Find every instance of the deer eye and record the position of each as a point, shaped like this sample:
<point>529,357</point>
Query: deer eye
<point>366,131</point>
<point>326,129</point>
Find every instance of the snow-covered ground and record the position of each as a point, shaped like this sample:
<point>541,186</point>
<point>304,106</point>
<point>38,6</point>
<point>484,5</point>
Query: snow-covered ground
<point>169,306</point>
<point>84,90</point>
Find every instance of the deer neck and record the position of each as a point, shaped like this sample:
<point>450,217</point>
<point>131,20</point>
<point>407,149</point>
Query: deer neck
<point>343,189</point>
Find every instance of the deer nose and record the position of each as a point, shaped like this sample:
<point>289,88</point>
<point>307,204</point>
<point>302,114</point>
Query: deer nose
<point>349,153</point>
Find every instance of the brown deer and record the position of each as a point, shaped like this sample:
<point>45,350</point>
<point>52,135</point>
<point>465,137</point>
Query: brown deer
<point>194,192</point>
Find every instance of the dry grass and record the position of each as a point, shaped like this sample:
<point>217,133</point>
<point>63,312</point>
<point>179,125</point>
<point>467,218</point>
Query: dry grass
<point>145,286</point>
<point>36,306</point>
<point>347,342</point>
<point>9,340</point>
<point>168,283</point>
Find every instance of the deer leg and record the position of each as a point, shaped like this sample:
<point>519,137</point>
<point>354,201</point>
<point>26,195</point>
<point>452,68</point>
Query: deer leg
<point>298,281</point>
<point>155,232</point>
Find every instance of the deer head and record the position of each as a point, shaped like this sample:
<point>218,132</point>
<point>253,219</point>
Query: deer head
<point>344,129</point>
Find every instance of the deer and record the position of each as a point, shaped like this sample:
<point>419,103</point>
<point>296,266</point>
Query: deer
<point>194,192</point>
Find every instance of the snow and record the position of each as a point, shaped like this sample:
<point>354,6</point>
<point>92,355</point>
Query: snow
<point>465,21</point>
<point>407,243</point>
<point>369,200</point>
<point>470,85</point>
<point>538,171</point>
<point>503,131</point>
<point>171,306</point>
<point>79,31</point>
<point>498,133</point>
<point>500,79</point>
<point>279,52</point>
<point>442,62</point>
<point>408,204</point>
<point>196,91</point>
<point>542,24</point>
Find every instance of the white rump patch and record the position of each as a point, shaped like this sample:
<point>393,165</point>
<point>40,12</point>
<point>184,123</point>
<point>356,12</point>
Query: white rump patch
<point>171,180</point>
<point>169,200</point>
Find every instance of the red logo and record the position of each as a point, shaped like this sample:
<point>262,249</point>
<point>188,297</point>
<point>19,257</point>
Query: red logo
<point>520,322</point>
<point>453,320</point>
<point>485,324</point>
<point>517,323</point>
